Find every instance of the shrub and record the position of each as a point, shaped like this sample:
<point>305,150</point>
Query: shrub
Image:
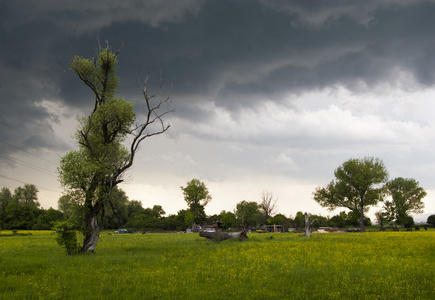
<point>66,236</point>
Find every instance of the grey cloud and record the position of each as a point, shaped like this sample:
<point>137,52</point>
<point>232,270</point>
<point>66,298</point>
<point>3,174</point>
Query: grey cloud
<point>235,54</point>
<point>83,16</point>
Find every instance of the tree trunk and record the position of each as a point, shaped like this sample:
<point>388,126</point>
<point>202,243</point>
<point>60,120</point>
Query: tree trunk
<point>93,233</point>
<point>361,218</point>
<point>307,225</point>
<point>220,236</point>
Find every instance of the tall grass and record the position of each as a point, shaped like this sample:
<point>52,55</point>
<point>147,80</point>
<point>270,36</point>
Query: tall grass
<point>384,265</point>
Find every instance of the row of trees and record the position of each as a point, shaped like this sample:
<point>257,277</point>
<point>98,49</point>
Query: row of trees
<point>362,183</point>
<point>21,210</point>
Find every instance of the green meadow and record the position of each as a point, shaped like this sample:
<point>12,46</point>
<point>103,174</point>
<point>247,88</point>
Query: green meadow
<point>372,265</point>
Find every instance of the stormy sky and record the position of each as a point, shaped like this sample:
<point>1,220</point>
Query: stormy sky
<point>268,95</point>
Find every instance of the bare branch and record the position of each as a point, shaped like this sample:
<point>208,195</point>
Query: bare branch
<point>268,204</point>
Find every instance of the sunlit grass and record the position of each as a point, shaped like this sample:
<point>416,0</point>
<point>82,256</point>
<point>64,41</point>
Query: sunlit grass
<point>383,265</point>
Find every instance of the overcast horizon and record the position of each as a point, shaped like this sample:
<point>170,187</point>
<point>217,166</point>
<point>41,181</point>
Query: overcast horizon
<point>269,95</point>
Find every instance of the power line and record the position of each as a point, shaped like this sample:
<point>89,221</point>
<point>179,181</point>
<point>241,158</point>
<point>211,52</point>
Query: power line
<point>28,165</point>
<point>41,187</point>
<point>28,152</point>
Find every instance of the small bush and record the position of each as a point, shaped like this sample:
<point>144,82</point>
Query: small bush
<point>66,236</point>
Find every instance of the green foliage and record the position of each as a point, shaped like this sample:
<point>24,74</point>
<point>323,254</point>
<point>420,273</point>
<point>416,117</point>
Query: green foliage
<point>5,199</point>
<point>408,221</point>
<point>278,219</point>
<point>66,236</point>
<point>228,219</point>
<point>20,210</point>
<point>431,220</point>
<point>321,221</point>
<point>189,219</point>
<point>300,219</point>
<point>65,204</point>
<point>357,186</point>
<point>407,197</point>
<point>248,214</point>
<point>91,169</point>
<point>197,196</point>
<point>134,207</point>
<point>27,195</point>
<point>47,219</point>
<point>114,211</point>
<point>353,218</point>
<point>339,220</point>
<point>91,172</point>
<point>382,218</point>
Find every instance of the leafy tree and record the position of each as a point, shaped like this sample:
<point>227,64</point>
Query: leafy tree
<point>300,219</point>
<point>248,214</point>
<point>148,219</point>
<point>158,211</point>
<point>407,197</point>
<point>108,139</point>
<point>339,220</point>
<point>353,219</point>
<point>382,218</point>
<point>27,195</point>
<point>20,210</point>
<point>47,219</point>
<point>21,215</point>
<point>5,199</point>
<point>267,205</point>
<point>431,220</point>
<point>321,221</point>
<point>180,219</point>
<point>409,221</point>
<point>134,207</point>
<point>357,186</point>
<point>170,223</point>
<point>114,211</point>
<point>278,219</point>
<point>197,196</point>
<point>227,218</point>
<point>189,219</point>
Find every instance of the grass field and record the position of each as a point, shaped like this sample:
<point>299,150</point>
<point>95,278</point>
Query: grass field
<point>381,265</point>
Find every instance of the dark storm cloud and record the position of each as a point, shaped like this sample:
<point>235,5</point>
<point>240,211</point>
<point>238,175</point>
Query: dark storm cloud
<point>238,52</point>
<point>233,53</point>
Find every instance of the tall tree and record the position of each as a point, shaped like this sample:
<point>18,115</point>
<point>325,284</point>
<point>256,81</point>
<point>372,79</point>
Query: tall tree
<point>357,186</point>
<point>5,199</point>
<point>108,138</point>
<point>27,195</point>
<point>158,211</point>
<point>382,218</point>
<point>197,196</point>
<point>407,197</point>
<point>247,214</point>
<point>227,218</point>
<point>268,205</point>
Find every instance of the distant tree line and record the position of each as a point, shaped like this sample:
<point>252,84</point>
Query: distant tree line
<point>21,210</point>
